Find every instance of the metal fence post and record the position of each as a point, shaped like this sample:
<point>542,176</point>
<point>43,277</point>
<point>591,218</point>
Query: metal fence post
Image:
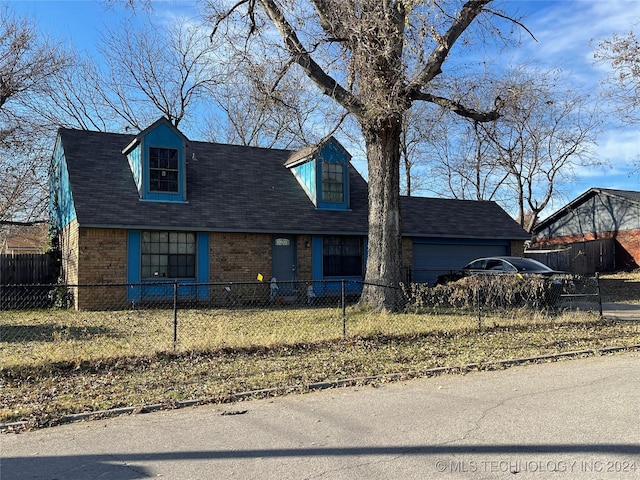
<point>175,315</point>
<point>344,311</point>
<point>478,306</point>
<point>598,293</point>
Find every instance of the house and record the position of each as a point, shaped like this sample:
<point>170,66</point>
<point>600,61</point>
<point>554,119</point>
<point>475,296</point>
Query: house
<point>24,239</point>
<point>158,206</point>
<point>603,226</point>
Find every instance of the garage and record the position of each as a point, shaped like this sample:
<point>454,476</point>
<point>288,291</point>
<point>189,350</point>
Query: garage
<point>433,257</point>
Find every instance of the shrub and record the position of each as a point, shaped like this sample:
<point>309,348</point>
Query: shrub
<point>499,291</point>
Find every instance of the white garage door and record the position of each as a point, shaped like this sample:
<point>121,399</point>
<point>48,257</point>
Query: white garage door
<point>433,259</point>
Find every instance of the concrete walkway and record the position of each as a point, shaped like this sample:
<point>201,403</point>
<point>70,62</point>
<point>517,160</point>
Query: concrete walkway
<point>576,419</point>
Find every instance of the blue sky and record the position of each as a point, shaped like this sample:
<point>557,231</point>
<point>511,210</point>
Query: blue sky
<point>566,32</point>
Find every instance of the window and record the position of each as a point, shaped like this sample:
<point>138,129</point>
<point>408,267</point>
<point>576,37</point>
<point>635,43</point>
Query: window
<point>342,256</point>
<point>168,254</point>
<point>163,170</point>
<point>332,182</point>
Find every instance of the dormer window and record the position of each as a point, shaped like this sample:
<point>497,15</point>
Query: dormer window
<point>163,170</point>
<point>332,182</point>
<point>322,171</point>
<point>157,158</point>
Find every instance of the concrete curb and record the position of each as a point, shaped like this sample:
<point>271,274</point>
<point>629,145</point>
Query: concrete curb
<point>266,392</point>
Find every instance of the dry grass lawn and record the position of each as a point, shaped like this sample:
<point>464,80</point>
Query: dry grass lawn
<point>55,363</point>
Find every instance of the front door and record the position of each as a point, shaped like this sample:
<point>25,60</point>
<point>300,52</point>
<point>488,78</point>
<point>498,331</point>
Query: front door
<point>284,266</point>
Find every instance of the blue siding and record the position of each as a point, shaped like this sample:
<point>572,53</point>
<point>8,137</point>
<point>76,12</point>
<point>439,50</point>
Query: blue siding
<point>332,152</point>
<point>332,288</point>
<point>164,136</point>
<point>307,175</point>
<point>202,259</point>
<point>316,255</point>
<point>153,290</point>
<point>133,265</point>
<point>135,162</point>
<point>61,206</point>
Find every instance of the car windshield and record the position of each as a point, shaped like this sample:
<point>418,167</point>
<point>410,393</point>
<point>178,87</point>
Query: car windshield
<point>528,265</point>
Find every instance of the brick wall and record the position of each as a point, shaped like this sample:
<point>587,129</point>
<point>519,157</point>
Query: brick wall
<point>102,255</point>
<point>304,257</point>
<point>68,239</point>
<point>239,257</point>
<point>102,259</point>
<point>629,240</point>
<point>517,248</point>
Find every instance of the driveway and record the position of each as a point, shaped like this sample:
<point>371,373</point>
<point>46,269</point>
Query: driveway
<point>573,419</point>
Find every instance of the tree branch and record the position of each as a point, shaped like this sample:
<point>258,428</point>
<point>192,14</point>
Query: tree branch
<point>433,68</point>
<point>327,84</point>
<point>458,108</point>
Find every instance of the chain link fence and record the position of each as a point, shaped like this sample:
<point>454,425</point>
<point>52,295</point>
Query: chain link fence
<point>61,322</point>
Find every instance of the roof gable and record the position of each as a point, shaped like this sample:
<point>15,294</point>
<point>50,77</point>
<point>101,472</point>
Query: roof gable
<point>624,195</point>
<point>321,171</point>
<point>156,158</point>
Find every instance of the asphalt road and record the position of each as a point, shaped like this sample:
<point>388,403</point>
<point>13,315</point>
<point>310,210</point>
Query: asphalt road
<point>575,419</point>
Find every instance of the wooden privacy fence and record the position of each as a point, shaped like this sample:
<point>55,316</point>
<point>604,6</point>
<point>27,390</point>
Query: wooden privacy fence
<point>26,269</point>
<point>581,258</point>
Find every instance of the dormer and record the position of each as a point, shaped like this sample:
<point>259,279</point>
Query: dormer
<point>323,173</point>
<point>157,159</point>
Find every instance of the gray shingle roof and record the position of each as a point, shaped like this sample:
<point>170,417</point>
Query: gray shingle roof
<point>629,195</point>
<point>443,217</point>
<point>626,194</point>
<point>248,189</point>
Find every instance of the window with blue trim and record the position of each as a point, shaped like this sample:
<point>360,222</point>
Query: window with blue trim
<point>342,256</point>
<point>332,182</point>
<point>168,254</point>
<point>163,170</point>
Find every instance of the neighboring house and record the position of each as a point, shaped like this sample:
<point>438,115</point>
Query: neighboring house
<point>607,219</point>
<point>31,239</point>
<point>157,206</point>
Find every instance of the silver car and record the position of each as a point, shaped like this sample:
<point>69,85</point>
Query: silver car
<point>499,266</point>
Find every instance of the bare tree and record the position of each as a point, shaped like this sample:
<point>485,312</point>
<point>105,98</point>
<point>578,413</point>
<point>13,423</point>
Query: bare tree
<point>156,70</point>
<point>622,54</point>
<point>264,109</point>
<point>464,162</point>
<point>374,58</point>
<point>27,64</point>
<point>622,87</point>
<point>525,157</point>
<point>544,134</point>
<point>420,132</point>
<point>74,98</point>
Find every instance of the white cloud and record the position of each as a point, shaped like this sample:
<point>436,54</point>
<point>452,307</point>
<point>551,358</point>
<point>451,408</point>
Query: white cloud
<point>620,146</point>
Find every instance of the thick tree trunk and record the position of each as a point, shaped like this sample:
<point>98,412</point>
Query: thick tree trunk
<point>384,269</point>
